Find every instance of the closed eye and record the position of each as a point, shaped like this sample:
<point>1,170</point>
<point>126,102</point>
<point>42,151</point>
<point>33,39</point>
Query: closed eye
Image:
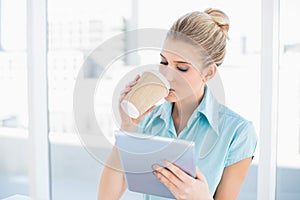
<point>182,69</point>
<point>164,63</point>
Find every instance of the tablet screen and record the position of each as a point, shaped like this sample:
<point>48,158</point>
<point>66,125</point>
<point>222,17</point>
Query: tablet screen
<point>139,152</point>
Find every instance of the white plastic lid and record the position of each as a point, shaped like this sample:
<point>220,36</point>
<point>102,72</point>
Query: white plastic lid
<point>130,109</point>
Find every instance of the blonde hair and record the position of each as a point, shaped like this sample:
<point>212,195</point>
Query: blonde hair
<point>208,29</point>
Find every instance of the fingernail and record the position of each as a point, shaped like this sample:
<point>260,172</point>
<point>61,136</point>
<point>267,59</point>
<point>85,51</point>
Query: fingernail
<point>155,167</point>
<point>165,162</point>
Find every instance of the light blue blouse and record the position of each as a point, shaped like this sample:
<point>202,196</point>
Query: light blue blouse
<point>221,136</point>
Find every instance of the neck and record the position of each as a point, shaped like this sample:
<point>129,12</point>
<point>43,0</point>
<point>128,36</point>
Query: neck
<point>183,109</point>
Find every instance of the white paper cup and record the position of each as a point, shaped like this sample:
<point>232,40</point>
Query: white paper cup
<point>150,89</point>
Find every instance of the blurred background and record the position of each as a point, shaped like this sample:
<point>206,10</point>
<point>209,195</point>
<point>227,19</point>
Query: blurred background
<point>75,28</point>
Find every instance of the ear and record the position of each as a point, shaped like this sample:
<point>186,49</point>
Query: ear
<point>209,72</point>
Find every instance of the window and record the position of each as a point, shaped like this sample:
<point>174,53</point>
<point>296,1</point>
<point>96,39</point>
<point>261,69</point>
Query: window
<point>13,104</point>
<point>76,29</point>
<point>288,141</point>
<point>72,36</point>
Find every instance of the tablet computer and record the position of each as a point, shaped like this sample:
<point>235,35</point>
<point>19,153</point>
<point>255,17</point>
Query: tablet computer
<point>139,152</point>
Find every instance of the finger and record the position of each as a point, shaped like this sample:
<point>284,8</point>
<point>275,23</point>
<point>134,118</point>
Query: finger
<point>133,83</point>
<point>184,177</point>
<point>126,90</point>
<point>137,77</point>
<point>123,94</point>
<point>172,187</point>
<point>199,175</point>
<point>152,108</point>
<point>122,98</point>
<point>168,175</point>
<point>130,85</point>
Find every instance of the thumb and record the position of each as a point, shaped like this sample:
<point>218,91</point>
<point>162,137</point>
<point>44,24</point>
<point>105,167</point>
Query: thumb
<point>199,175</point>
<point>149,110</point>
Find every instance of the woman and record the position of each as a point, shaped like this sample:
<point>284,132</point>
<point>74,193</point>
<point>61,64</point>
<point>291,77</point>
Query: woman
<point>225,142</point>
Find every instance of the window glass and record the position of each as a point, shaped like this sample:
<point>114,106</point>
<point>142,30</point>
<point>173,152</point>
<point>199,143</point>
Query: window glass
<point>288,141</point>
<point>75,30</point>
<point>13,101</point>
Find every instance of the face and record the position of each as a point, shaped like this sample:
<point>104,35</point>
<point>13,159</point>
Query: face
<point>181,65</point>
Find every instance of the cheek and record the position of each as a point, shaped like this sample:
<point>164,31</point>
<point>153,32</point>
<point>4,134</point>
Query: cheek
<point>193,81</point>
<point>187,79</point>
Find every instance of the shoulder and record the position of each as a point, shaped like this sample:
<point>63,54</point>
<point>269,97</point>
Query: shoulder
<point>222,119</point>
<point>239,134</point>
<point>236,128</point>
<point>232,119</point>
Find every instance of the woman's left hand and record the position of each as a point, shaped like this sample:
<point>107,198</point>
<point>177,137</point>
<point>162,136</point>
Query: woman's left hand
<point>181,184</point>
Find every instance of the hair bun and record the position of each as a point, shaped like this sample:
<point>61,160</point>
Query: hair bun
<point>219,17</point>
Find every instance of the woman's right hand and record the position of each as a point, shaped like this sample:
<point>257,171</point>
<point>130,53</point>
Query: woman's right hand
<point>128,123</point>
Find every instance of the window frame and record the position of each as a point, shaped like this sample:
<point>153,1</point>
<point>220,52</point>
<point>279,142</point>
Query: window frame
<point>38,122</point>
<point>266,178</point>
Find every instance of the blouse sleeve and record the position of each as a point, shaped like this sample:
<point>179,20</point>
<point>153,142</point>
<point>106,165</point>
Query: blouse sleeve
<point>243,144</point>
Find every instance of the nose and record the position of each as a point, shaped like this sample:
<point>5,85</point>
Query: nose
<point>169,76</point>
<point>167,72</point>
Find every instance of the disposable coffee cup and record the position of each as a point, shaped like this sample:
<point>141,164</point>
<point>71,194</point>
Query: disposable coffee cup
<point>150,89</point>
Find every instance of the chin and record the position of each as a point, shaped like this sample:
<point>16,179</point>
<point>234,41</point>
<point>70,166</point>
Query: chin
<point>171,99</point>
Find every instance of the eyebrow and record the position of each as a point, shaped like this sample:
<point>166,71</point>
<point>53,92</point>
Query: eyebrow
<point>179,61</point>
